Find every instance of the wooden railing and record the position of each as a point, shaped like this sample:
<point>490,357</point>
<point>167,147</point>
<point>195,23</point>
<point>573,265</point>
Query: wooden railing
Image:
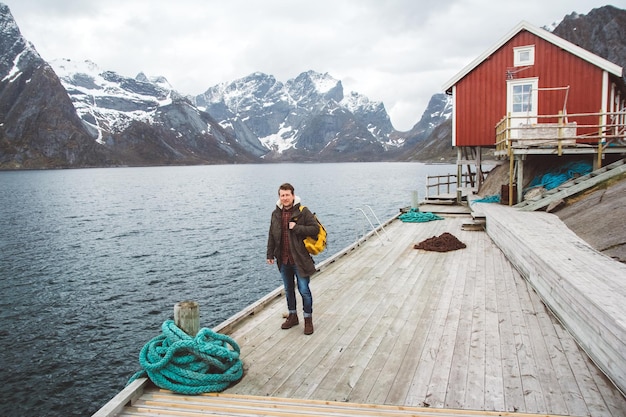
<point>593,129</point>
<point>447,183</point>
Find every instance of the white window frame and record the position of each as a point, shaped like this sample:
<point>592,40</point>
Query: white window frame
<point>524,55</point>
<point>527,115</point>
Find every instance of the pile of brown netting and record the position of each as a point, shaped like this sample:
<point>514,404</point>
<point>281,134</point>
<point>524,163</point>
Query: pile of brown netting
<point>443,243</point>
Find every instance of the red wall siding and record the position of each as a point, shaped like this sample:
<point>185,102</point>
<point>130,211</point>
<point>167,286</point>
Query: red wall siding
<point>481,94</point>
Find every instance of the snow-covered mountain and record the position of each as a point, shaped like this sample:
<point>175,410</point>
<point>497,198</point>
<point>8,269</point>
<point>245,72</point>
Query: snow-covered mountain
<point>38,125</point>
<point>307,117</point>
<point>147,115</point>
<point>108,103</point>
<point>76,115</point>
<point>304,119</point>
<point>73,114</point>
<point>93,117</point>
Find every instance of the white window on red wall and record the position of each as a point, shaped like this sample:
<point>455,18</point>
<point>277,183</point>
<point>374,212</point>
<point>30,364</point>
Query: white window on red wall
<point>524,55</point>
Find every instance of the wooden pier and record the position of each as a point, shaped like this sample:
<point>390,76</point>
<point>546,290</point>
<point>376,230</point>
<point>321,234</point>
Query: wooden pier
<point>401,331</point>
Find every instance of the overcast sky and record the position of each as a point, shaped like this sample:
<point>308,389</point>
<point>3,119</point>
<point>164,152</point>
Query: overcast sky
<point>399,52</point>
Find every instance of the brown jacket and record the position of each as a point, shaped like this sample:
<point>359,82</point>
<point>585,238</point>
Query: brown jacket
<point>306,225</point>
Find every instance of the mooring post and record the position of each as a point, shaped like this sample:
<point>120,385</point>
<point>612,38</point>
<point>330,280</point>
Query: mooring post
<point>187,317</point>
<point>414,200</point>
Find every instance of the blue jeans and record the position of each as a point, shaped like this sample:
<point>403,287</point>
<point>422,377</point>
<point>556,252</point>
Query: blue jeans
<point>288,273</point>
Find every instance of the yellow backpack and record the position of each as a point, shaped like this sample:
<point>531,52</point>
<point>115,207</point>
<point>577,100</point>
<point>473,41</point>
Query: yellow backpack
<point>316,245</point>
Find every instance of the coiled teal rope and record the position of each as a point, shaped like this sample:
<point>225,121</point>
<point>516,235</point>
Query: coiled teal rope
<point>416,216</point>
<point>495,198</point>
<point>189,365</point>
<point>560,175</point>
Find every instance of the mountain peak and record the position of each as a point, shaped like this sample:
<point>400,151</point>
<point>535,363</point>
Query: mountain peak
<point>17,52</point>
<point>158,80</point>
<point>355,101</point>
<point>313,84</point>
<point>323,82</point>
<point>65,67</point>
<point>602,31</point>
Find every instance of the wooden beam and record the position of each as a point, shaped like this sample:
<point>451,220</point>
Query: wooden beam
<point>132,392</point>
<point>575,189</point>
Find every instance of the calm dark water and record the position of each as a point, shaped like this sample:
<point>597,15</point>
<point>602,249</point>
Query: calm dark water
<point>92,261</point>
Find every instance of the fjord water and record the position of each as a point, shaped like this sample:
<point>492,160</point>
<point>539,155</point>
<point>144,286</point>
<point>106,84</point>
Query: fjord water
<point>92,261</point>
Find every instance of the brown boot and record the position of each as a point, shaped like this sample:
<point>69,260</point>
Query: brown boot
<point>308,325</point>
<point>292,320</point>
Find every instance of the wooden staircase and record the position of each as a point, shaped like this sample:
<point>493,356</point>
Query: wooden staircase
<point>574,186</point>
<point>477,222</point>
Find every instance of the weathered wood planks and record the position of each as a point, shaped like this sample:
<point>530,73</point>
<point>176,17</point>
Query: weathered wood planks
<point>396,325</point>
<point>448,334</point>
<point>584,288</point>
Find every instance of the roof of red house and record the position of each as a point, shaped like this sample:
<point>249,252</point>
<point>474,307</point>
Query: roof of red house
<point>600,62</point>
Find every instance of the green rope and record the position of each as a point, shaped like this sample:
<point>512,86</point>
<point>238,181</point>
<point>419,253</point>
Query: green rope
<point>175,361</point>
<point>495,198</point>
<point>416,216</point>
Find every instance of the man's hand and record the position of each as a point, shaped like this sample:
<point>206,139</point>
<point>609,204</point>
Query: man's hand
<point>270,261</point>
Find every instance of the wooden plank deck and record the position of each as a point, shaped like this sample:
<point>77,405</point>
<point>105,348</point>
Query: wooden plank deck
<point>582,287</point>
<point>424,333</point>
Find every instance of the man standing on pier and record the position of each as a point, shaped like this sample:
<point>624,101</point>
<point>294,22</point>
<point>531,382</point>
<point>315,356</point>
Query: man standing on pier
<point>289,226</point>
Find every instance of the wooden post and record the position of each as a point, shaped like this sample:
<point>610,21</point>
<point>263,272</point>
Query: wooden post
<point>600,141</point>
<point>520,178</point>
<point>479,167</point>
<point>560,133</point>
<point>509,136</point>
<point>414,200</point>
<point>459,176</point>
<point>187,317</point>
<point>511,172</point>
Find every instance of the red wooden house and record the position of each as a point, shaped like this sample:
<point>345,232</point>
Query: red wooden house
<point>534,92</point>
